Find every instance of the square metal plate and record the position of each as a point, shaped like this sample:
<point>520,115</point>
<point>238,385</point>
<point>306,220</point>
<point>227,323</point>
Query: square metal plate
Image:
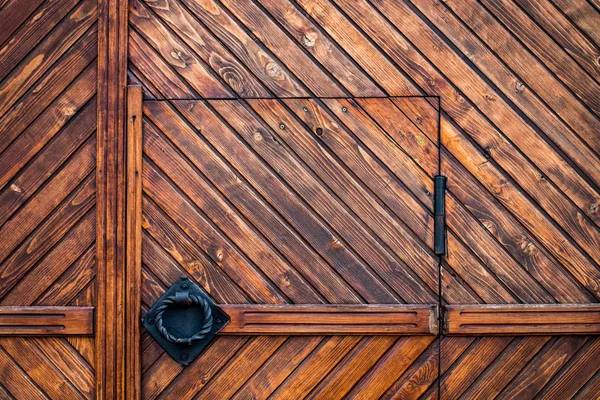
<point>184,320</point>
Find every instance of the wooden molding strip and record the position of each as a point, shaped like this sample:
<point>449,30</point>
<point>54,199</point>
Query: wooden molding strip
<point>522,319</point>
<point>300,319</point>
<point>46,321</point>
<point>133,266</point>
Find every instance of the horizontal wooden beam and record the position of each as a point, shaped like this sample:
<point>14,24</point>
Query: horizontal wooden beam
<point>300,319</point>
<point>522,319</point>
<point>46,321</point>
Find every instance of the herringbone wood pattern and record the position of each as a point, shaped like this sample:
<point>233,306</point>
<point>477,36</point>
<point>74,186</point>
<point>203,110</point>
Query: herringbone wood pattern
<point>47,188</point>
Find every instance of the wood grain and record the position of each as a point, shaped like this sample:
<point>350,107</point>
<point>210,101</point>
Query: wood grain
<point>330,320</point>
<point>134,241</point>
<point>46,321</point>
<point>516,319</point>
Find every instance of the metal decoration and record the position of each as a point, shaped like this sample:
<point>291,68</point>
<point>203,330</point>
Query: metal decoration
<point>184,321</point>
<point>439,210</point>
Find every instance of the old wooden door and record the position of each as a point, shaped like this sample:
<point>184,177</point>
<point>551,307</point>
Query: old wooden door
<point>281,155</point>
<point>270,204</point>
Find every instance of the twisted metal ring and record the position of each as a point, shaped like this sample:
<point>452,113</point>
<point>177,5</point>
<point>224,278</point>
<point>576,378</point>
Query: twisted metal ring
<point>184,298</point>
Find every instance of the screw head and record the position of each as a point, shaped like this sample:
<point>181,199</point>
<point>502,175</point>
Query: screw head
<point>345,109</point>
<point>305,109</point>
<point>183,356</point>
<point>319,131</point>
<point>150,320</point>
<point>185,285</point>
<point>282,126</point>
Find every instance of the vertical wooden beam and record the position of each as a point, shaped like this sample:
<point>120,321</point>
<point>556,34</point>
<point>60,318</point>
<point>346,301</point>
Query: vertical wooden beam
<point>134,241</point>
<point>110,185</point>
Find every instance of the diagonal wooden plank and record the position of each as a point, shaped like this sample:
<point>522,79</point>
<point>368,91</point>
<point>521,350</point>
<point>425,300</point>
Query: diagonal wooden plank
<point>236,229</point>
<point>326,51</point>
<point>191,258</point>
<point>223,254</point>
<point>530,90</point>
<point>231,71</point>
<point>13,14</point>
<point>549,52</point>
<point>155,70</point>
<point>241,367</point>
<point>571,378</point>
<point>295,212</point>
<point>175,52</point>
<point>48,234</point>
<point>541,369</point>
<point>287,51</point>
<point>32,32</point>
<point>559,206</point>
<point>360,48</point>
<point>46,95</point>
<point>39,368</point>
<point>157,260</point>
<point>352,367</point>
<point>207,366</point>
<point>470,365</point>
<point>48,160</point>
<point>17,381</point>
<point>281,364</point>
<point>508,365</point>
<point>413,252</point>
<point>48,269</point>
<point>319,363</point>
<point>265,219</point>
<point>265,66</point>
<point>576,225</point>
<point>419,376</point>
<point>159,375</point>
<point>65,358</point>
<point>66,34</point>
<point>47,199</point>
<point>72,282</point>
<point>390,367</point>
<point>310,189</point>
<point>582,14</point>
<point>349,202</point>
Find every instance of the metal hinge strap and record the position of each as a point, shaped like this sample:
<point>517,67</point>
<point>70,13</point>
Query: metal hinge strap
<point>439,215</point>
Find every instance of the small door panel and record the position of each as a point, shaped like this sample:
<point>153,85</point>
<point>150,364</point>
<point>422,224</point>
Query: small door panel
<point>296,201</point>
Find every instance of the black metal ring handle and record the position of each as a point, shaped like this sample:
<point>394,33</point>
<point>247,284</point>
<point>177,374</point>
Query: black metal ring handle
<point>186,299</point>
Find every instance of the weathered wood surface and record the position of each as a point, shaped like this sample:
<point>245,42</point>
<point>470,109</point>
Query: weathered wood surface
<point>522,319</point>
<point>518,82</point>
<point>48,85</point>
<point>518,85</point>
<point>46,321</point>
<point>330,319</point>
<point>286,201</point>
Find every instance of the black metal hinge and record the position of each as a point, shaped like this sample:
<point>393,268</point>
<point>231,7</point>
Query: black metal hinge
<point>439,215</point>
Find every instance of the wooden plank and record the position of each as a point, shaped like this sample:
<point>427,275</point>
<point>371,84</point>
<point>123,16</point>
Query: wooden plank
<point>109,342</point>
<point>46,321</point>
<point>133,241</point>
<point>224,64</point>
<point>330,319</point>
<point>522,319</point>
<point>176,52</point>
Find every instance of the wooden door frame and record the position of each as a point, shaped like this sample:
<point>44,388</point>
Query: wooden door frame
<point>110,210</point>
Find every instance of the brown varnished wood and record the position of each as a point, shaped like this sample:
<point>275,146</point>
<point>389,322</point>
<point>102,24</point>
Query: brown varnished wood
<point>330,320</point>
<point>134,240</point>
<point>256,213</point>
<point>216,195</point>
<point>46,320</point>
<point>516,319</point>
<point>111,187</point>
